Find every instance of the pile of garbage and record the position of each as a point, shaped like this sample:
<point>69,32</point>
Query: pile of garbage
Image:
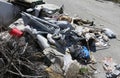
<point>112,69</point>
<point>45,42</point>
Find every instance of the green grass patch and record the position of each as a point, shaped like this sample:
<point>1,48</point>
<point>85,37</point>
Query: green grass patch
<point>83,70</point>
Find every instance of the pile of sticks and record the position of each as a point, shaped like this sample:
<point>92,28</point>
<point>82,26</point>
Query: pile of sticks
<point>20,58</point>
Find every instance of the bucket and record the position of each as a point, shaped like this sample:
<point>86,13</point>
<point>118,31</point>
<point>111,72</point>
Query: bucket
<point>16,32</point>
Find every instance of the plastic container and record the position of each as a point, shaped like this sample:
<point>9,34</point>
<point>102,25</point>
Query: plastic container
<point>16,32</point>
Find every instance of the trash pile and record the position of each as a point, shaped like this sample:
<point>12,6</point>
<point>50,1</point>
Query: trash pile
<point>112,69</point>
<point>45,42</point>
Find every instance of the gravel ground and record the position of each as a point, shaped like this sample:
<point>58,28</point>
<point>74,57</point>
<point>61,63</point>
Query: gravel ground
<point>105,14</point>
